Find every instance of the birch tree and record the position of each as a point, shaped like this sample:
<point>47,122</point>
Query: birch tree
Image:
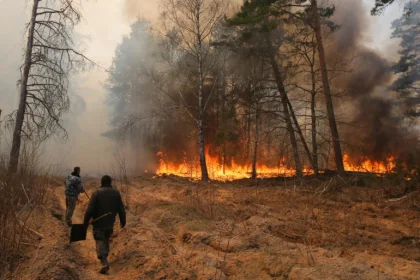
<point>194,22</point>
<point>50,56</point>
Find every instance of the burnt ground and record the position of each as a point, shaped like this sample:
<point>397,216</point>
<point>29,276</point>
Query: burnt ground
<point>271,230</point>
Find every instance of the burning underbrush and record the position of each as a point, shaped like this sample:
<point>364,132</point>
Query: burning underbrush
<point>234,171</point>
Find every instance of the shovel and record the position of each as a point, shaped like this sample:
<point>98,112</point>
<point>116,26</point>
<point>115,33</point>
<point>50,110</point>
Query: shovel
<point>78,231</point>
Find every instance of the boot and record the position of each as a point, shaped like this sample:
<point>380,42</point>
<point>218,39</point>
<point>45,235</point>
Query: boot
<point>105,265</point>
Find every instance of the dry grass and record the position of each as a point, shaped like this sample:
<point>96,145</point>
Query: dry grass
<point>120,176</point>
<point>202,198</point>
<point>21,196</point>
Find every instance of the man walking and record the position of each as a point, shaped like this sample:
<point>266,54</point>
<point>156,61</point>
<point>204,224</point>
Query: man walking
<point>74,187</point>
<point>103,207</point>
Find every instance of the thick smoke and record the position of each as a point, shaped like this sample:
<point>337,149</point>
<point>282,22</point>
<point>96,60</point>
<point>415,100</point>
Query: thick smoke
<point>376,130</point>
<point>148,9</point>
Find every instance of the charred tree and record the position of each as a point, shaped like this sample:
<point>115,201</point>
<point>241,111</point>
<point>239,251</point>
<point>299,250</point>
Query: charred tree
<point>49,58</point>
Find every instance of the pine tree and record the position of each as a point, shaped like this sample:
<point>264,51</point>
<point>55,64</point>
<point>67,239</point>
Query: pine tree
<point>408,67</point>
<point>260,17</point>
<point>264,16</point>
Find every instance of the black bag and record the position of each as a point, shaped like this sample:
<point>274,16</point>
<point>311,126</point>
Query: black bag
<point>78,233</point>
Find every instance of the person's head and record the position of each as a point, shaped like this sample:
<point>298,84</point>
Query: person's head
<point>77,170</point>
<point>106,181</point>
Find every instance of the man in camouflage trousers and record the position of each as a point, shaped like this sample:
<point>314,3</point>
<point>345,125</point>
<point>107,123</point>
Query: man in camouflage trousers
<point>103,208</point>
<point>74,187</point>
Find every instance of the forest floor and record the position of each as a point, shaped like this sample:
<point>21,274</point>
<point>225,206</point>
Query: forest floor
<point>177,229</point>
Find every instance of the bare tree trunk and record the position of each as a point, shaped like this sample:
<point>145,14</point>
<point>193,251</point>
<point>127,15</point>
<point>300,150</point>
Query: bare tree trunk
<point>248,136</point>
<point>201,143</point>
<point>327,91</point>
<point>299,131</point>
<point>285,101</point>
<point>313,130</point>
<point>256,139</point>
<point>17,133</point>
<point>224,126</point>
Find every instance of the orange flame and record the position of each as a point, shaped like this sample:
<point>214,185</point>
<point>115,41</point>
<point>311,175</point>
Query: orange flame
<point>368,165</point>
<point>237,171</point>
<point>225,172</point>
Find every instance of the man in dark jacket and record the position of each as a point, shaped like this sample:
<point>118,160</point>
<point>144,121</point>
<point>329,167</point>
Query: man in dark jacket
<point>103,207</point>
<point>74,187</point>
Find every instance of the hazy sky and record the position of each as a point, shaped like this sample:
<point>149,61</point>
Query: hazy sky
<point>104,24</point>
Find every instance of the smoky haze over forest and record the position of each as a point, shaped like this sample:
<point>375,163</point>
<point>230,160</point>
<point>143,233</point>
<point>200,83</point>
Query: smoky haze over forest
<point>377,129</point>
<point>103,29</point>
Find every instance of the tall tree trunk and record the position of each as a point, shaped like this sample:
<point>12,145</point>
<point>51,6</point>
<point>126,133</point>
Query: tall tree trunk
<point>20,115</point>
<point>248,135</point>
<point>327,91</point>
<point>284,101</point>
<point>201,103</point>
<point>300,133</point>
<point>224,127</point>
<point>315,165</point>
<point>256,139</point>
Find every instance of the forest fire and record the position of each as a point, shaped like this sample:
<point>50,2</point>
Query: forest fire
<point>240,171</point>
<point>371,166</point>
<point>220,171</point>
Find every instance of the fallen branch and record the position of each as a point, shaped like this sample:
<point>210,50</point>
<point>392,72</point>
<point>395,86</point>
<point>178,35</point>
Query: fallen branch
<point>31,230</point>
<point>28,244</point>
<point>27,197</point>
<point>327,186</point>
<point>35,232</point>
<point>402,198</point>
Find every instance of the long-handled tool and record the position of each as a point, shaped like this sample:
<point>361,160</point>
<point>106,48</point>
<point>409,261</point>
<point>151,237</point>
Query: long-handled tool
<point>103,216</point>
<point>78,231</point>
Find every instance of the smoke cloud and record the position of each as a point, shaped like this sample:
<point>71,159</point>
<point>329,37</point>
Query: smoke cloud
<point>376,127</point>
<point>375,119</point>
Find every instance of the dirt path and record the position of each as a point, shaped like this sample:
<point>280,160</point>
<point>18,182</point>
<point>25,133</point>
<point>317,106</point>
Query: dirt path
<point>122,264</point>
<point>55,258</point>
<point>83,251</point>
